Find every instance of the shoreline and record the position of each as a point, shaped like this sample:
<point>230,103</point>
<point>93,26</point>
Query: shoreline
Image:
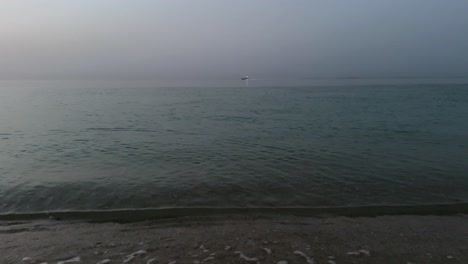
<point>144,214</point>
<point>240,239</point>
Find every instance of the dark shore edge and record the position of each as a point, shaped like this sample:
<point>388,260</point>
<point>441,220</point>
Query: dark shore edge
<point>146,214</point>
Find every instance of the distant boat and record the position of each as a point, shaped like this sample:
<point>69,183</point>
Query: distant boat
<point>246,79</point>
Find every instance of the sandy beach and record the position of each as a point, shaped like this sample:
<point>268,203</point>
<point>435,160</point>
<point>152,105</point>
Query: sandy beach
<point>239,239</point>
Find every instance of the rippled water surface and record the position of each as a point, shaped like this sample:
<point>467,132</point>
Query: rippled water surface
<point>68,147</point>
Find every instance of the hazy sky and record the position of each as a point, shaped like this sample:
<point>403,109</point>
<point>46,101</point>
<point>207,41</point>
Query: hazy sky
<point>219,39</point>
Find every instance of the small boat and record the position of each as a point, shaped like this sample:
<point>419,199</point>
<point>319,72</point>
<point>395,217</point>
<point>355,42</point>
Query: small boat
<point>246,79</point>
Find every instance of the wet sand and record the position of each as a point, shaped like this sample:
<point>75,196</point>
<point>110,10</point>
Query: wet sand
<point>240,239</point>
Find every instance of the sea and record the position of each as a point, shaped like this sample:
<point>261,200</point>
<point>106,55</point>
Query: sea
<point>71,145</point>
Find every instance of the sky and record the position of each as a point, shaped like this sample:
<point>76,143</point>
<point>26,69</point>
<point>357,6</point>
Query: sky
<point>223,39</point>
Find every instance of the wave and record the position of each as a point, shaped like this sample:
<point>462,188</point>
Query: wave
<point>145,214</point>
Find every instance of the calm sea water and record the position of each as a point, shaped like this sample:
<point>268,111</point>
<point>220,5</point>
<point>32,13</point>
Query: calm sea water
<point>72,146</point>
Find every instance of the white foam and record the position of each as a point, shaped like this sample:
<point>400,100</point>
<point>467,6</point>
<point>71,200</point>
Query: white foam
<point>331,262</point>
<point>244,257</point>
<point>268,251</point>
<point>104,261</point>
<point>207,259</point>
<point>361,252</point>
<point>133,255</point>
<point>307,258</point>
<point>150,260</point>
<point>202,247</point>
<point>365,252</point>
<point>72,260</point>
<point>172,262</point>
<point>31,260</point>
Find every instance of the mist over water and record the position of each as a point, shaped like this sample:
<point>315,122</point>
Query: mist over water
<point>85,145</point>
<point>221,39</point>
